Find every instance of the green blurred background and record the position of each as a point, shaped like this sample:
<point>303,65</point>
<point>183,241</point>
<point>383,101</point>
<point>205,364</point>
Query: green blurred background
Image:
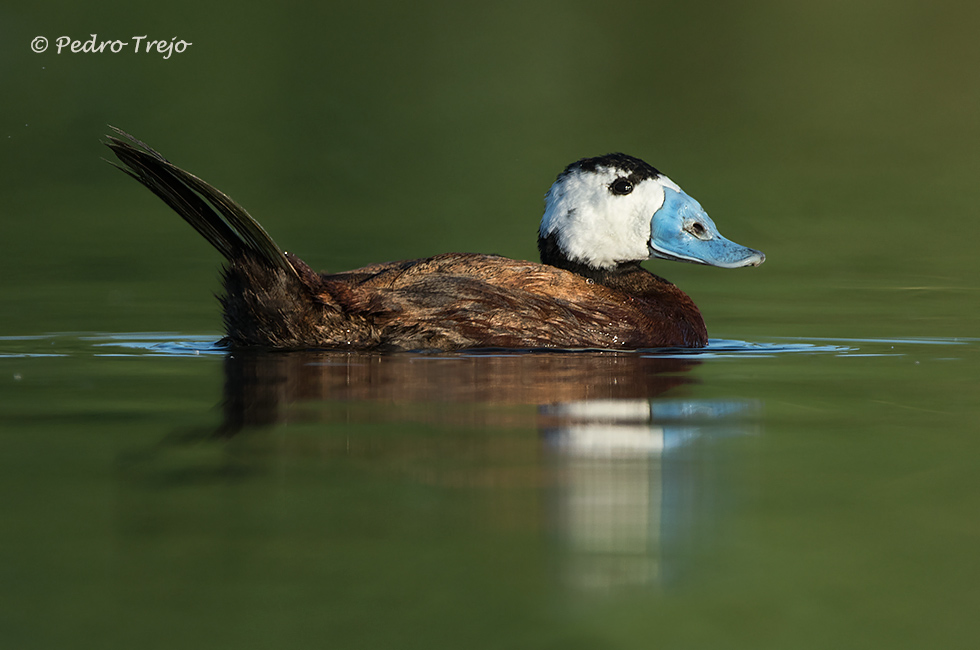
<point>838,137</point>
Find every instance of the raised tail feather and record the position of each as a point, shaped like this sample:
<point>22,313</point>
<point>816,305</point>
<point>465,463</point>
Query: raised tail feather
<point>215,215</point>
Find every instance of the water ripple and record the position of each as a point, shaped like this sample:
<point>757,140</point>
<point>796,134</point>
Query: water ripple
<point>170,344</point>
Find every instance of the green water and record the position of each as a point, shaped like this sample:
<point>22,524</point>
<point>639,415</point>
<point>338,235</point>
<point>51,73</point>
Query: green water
<point>808,482</point>
<point>792,495</point>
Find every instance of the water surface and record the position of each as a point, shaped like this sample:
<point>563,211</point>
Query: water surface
<point>813,492</point>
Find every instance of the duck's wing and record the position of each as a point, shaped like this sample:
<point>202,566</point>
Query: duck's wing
<point>460,300</point>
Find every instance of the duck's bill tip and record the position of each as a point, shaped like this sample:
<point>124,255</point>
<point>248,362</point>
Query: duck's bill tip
<point>745,257</point>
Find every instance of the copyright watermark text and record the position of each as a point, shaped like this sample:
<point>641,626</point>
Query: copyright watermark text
<point>137,44</point>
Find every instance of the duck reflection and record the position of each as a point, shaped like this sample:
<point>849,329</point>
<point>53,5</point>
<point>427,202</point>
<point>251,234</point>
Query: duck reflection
<point>640,478</point>
<point>625,460</point>
<point>263,389</point>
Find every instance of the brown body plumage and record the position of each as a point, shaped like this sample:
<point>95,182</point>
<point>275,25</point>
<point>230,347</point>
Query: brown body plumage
<point>453,301</point>
<point>447,302</point>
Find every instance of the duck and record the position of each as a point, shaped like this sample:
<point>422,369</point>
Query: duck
<point>603,216</point>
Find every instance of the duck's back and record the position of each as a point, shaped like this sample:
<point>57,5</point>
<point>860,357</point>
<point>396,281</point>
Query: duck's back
<point>461,300</point>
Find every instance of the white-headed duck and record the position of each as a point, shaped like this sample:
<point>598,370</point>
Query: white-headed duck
<point>603,216</point>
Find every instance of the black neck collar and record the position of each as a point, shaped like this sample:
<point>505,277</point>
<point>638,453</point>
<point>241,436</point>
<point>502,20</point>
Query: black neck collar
<point>552,255</point>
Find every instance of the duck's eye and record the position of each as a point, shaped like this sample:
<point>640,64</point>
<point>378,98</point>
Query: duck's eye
<point>621,186</point>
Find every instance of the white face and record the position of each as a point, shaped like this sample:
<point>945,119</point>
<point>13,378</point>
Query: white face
<point>595,225</point>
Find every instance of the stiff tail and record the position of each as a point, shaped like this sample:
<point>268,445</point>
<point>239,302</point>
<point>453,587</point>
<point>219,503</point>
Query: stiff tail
<point>215,215</point>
